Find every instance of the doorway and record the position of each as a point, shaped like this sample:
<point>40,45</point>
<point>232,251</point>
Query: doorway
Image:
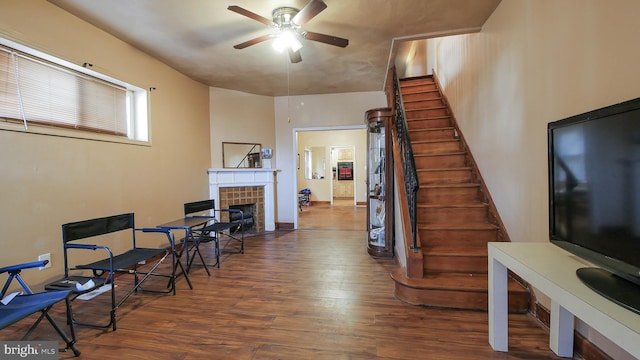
<point>349,144</point>
<point>342,180</point>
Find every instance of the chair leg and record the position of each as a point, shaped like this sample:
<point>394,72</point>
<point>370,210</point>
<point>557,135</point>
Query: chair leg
<point>193,257</point>
<point>113,301</point>
<point>35,324</point>
<point>67,303</point>
<point>112,313</point>
<point>233,235</point>
<point>217,252</point>
<point>70,342</point>
<point>178,264</point>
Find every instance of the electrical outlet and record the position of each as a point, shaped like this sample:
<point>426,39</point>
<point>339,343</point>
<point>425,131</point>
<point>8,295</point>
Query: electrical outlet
<point>43,257</point>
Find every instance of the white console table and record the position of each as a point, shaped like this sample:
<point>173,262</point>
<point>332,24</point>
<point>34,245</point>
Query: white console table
<point>552,271</point>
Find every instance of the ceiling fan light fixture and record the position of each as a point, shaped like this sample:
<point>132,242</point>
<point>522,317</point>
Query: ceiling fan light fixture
<point>287,39</point>
<point>287,23</point>
<point>282,16</point>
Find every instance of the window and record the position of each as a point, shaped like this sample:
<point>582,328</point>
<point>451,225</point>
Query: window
<point>40,92</point>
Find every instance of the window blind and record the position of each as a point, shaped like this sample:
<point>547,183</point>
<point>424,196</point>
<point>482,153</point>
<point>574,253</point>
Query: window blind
<point>38,92</point>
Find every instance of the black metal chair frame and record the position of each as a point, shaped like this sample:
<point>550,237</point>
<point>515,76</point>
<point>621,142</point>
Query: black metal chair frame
<point>211,231</point>
<point>104,271</point>
<point>23,306</point>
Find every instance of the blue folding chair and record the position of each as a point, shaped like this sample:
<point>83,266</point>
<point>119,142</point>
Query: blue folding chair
<point>29,303</point>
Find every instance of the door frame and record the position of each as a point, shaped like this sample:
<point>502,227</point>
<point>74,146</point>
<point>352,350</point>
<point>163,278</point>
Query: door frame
<point>294,151</point>
<point>355,163</point>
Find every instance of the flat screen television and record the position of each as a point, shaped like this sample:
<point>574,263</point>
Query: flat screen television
<point>594,197</point>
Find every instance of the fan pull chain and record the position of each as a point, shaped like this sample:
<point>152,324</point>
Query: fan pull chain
<point>288,93</point>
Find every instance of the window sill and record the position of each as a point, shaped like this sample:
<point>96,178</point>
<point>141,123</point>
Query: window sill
<point>75,134</point>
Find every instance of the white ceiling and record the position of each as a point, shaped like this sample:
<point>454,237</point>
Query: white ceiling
<point>196,37</point>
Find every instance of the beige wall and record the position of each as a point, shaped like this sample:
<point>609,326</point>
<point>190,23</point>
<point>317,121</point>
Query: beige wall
<point>535,62</point>
<point>237,116</point>
<point>318,112</point>
<point>47,181</point>
<point>243,117</point>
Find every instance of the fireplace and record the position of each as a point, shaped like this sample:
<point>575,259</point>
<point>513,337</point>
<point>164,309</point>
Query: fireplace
<point>248,218</point>
<point>232,187</point>
<point>249,199</point>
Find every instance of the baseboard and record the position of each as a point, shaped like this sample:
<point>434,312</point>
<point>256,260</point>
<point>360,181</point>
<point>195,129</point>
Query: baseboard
<point>581,345</point>
<point>284,226</point>
<point>541,314</point>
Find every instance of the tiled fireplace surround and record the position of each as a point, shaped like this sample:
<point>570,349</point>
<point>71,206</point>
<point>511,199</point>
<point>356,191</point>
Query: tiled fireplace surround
<point>244,195</point>
<point>245,186</point>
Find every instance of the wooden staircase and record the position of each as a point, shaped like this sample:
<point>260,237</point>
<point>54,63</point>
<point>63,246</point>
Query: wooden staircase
<point>455,220</point>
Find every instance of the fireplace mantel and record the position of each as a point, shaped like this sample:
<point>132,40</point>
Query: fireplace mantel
<point>220,178</point>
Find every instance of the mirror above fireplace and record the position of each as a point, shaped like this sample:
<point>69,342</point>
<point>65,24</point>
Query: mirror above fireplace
<point>241,155</point>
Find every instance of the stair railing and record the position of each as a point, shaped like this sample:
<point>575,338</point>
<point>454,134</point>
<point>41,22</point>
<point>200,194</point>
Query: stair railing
<point>408,163</point>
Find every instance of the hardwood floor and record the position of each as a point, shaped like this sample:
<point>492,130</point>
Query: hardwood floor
<point>305,294</point>
<point>341,216</point>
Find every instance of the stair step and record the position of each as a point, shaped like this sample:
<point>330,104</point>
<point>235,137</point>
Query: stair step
<point>418,94</point>
<point>426,112</point>
<point>445,176</point>
<point>416,81</point>
<point>418,88</point>
<point>436,146</point>
<point>453,249</point>
<point>455,290</point>
<point>456,213</point>
<point>458,226</point>
<point>455,259</point>
<point>418,122</point>
<point>419,78</point>
<point>465,235</point>
<point>432,134</point>
<point>462,193</point>
<point>442,160</point>
<point>435,103</point>
<point>452,281</point>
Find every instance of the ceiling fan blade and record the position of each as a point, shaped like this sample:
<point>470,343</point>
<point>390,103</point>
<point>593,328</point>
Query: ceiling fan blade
<point>294,56</point>
<point>253,41</point>
<point>249,14</point>
<point>313,8</point>
<point>327,39</point>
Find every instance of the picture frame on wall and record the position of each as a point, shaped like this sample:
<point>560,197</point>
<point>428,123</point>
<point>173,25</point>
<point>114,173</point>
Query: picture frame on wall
<point>345,170</point>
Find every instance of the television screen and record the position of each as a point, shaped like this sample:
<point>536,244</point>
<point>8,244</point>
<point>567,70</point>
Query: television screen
<point>594,188</point>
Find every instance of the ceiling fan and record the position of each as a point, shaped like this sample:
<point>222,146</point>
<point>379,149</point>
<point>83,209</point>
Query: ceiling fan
<point>288,22</point>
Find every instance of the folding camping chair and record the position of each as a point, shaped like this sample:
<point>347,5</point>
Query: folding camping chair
<point>103,272</point>
<point>212,231</point>
<point>24,305</point>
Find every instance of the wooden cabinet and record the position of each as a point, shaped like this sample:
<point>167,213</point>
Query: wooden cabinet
<point>380,215</point>
<point>343,189</point>
<point>345,154</point>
